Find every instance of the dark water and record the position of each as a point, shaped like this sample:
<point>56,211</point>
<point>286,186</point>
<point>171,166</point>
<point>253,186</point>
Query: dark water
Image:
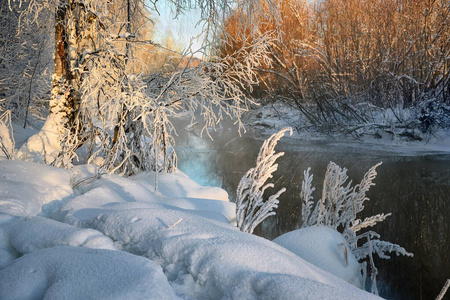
<point>413,186</point>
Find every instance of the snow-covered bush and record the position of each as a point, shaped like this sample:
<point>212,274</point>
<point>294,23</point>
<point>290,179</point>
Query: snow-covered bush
<point>252,206</point>
<point>432,115</point>
<point>338,209</point>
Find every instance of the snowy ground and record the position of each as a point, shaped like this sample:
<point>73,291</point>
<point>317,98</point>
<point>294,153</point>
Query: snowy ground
<point>75,234</point>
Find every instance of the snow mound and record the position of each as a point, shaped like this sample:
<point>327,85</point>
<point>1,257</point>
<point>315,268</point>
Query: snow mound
<point>185,242</point>
<point>83,273</point>
<point>176,190</point>
<point>26,187</point>
<point>325,248</point>
<point>208,259</point>
<point>43,146</point>
<point>179,185</point>
<point>27,235</point>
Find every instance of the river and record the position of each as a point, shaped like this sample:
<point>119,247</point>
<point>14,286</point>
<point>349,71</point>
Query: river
<point>412,185</point>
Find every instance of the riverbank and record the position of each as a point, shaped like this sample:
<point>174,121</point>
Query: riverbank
<point>387,132</point>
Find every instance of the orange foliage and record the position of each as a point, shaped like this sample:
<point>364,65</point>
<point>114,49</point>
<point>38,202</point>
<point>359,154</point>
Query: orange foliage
<point>394,49</point>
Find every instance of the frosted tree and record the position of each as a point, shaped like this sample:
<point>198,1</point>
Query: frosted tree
<point>102,110</point>
<point>252,205</point>
<point>25,63</point>
<point>338,209</point>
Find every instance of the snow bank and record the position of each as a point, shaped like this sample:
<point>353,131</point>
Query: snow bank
<point>175,190</point>
<point>179,185</point>
<point>82,273</point>
<point>43,146</point>
<point>274,116</point>
<point>184,242</point>
<point>325,248</point>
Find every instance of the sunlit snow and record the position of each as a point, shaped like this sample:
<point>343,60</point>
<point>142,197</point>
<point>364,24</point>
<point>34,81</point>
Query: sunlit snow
<point>71,234</point>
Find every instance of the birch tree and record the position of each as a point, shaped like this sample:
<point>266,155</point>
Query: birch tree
<point>100,108</point>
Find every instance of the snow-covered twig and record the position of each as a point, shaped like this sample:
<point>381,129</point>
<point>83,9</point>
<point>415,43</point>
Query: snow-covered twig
<point>444,290</point>
<point>338,209</point>
<point>174,224</point>
<point>306,196</point>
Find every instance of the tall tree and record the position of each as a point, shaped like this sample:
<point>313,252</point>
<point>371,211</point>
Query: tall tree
<point>97,103</point>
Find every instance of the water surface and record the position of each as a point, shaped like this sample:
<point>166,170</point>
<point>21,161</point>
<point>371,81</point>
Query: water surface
<point>412,185</point>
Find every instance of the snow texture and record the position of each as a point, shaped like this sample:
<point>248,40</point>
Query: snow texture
<point>25,187</point>
<point>43,146</point>
<point>81,273</point>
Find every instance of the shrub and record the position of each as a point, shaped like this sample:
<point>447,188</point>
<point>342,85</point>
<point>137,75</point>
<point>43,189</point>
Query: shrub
<point>338,209</point>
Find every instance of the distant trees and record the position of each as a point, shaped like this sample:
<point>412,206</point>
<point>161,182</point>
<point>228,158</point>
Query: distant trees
<point>336,54</point>
<point>396,50</point>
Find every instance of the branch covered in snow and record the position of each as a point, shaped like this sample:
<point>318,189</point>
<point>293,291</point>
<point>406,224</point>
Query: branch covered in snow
<point>105,110</point>
<point>340,201</point>
<point>251,207</point>
<point>306,197</point>
<point>335,197</point>
<point>368,222</point>
<point>381,248</point>
<point>444,290</point>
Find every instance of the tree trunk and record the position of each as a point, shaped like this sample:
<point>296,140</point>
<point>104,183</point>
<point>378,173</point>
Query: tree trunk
<point>65,99</point>
<point>73,36</point>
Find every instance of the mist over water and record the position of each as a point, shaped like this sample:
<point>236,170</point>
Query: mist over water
<point>413,186</point>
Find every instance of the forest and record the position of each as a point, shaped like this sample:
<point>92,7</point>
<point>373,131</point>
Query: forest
<point>339,62</point>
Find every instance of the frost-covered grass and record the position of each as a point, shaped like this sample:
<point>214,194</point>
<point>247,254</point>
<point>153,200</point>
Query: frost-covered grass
<point>69,234</point>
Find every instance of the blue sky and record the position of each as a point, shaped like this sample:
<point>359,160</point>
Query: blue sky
<point>183,28</point>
